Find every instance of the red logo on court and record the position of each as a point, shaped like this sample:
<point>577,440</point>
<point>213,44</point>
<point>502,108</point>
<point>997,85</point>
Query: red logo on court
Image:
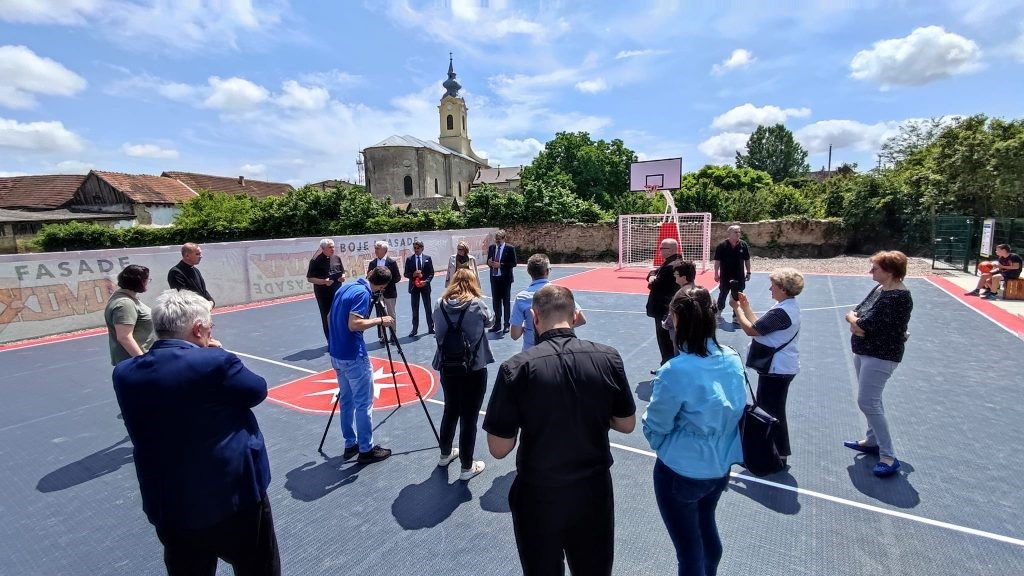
<point>315,393</point>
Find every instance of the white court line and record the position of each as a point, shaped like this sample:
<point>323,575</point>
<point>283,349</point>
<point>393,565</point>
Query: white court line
<point>804,491</point>
<point>269,361</point>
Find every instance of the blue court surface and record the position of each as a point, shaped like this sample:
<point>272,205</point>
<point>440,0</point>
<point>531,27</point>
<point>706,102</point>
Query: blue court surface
<point>71,505</point>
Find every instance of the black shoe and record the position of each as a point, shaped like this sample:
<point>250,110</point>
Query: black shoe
<point>505,331</point>
<point>382,341</point>
<point>414,332</point>
<point>376,454</point>
<point>495,329</point>
<point>430,331</point>
<point>351,451</point>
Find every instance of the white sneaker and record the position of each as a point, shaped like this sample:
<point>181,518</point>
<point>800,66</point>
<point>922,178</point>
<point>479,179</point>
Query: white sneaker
<point>445,460</point>
<point>478,467</point>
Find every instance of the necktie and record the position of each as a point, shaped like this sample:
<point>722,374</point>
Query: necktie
<point>417,262</point>
<point>497,258</point>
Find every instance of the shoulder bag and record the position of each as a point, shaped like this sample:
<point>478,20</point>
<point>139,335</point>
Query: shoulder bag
<point>759,356</point>
<point>757,435</point>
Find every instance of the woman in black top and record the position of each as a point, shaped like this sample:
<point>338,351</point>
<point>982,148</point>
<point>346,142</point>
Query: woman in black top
<point>879,328</point>
<point>325,273</point>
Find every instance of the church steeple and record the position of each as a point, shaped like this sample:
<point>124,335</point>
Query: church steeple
<point>451,85</point>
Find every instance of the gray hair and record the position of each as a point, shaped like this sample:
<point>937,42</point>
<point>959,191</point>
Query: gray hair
<point>382,244</point>
<point>326,242</point>
<point>178,311</point>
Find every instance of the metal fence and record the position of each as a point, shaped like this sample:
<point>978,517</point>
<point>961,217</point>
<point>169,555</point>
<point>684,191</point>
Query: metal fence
<point>956,239</point>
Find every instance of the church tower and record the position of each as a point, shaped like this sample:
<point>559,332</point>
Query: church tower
<point>452,114</point>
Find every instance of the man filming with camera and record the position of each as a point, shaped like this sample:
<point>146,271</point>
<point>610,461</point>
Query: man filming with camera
<point>350,316</point>
<point>732,267</point>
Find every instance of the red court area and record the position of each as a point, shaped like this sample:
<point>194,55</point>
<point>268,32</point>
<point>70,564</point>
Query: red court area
<point>622,281</point>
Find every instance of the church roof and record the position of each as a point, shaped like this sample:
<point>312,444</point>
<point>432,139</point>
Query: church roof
<point>413,142</point>
<point>497,175</point>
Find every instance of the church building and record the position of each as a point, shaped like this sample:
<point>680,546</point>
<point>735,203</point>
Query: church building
<point>405,168</point>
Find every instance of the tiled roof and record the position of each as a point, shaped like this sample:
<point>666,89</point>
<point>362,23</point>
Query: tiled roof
<point>331,184</point>
<point>146,189</point>
<point>497,175</point>
<point>38,192</point>
<point>413,142</point>
<point>239,185</point>
<point>432,203</point>
<point>61,215</point>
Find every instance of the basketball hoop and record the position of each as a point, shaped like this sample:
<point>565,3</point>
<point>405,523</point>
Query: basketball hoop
<point>652,189</point>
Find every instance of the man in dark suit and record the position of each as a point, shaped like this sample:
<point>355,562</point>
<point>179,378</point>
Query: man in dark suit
<point>662,284</point>
<point>185,276</point>
<point>419,269</point>
<point>501,258</point>
<point>199,454</point>
<point>389,296</point>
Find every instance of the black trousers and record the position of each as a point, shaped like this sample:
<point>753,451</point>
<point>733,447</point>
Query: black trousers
<point>501,296</point>
<point>463,397</point>
<point>246,541</point>
<point>772,391</point>
<point>575,522</point>
<point>416,296</point>
<point>323,302</point>
<point>727,286</point>
<point>664,342</point>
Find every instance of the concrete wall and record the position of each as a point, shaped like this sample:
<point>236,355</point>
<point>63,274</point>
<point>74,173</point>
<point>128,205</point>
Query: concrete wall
<point>51,293</point>
<point>589,242</point>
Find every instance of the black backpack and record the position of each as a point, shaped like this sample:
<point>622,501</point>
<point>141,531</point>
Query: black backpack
<point>457,353</point>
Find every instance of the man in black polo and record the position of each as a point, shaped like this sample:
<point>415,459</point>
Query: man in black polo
<point>662,283</point>
<point>732,267</point>
<point>561,397</point>
<point>185,276</point>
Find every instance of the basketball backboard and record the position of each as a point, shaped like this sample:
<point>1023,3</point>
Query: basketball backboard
<point>663,173</point>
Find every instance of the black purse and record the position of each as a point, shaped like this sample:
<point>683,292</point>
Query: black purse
<point>757,435</point>
<point>759,356</point>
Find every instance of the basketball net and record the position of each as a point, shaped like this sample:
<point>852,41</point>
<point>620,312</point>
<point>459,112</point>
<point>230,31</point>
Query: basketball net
<point>669,223</point>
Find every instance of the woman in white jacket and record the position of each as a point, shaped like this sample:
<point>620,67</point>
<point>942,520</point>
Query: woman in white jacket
<point>461,259</point>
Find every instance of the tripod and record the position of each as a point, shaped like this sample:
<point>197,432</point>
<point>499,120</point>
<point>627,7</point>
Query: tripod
<point>390,338</point>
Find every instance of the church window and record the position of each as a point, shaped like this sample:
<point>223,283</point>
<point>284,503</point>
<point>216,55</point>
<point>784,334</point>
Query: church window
<point>435,187</point>
<point>460,189</point>
<point>408,185</point>
<point>464,122</point>
<point>451,122</point>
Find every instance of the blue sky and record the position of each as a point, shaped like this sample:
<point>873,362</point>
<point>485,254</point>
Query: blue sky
<point>290,91</point>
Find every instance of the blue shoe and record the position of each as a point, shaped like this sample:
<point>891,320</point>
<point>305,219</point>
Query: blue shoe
<point>885,470</point>
<point>855,445</point>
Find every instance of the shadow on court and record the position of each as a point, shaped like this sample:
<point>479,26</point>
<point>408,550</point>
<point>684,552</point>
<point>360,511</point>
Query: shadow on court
<point>430,502</point>
<point>89,468</point>
<point>781,501</point>
<point>896,491</point>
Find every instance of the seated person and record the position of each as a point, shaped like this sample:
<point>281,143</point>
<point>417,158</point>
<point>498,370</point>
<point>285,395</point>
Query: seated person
<point>1007,268</point>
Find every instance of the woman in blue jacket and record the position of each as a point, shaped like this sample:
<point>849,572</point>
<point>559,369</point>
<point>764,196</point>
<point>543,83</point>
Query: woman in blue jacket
<point>692,422</point>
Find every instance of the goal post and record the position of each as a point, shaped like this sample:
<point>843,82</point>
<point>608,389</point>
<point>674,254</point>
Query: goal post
<point>640,235</point>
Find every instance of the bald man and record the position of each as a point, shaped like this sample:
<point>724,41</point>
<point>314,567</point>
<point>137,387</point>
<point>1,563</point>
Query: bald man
<point>662,284</point>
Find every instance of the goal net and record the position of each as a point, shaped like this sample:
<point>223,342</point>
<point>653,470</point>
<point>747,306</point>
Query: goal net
<point>640,235</point>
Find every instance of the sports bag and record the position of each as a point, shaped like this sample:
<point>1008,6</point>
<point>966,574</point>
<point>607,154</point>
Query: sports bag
<point>457,352</point>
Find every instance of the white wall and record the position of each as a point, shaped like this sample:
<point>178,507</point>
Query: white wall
<point>56,292</point>
<point>162,215</point>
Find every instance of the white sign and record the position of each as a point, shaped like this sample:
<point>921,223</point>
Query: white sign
<point>988,230</point>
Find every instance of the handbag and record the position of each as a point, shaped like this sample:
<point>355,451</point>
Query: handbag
<point>757,436</point>
<point>759,356</point>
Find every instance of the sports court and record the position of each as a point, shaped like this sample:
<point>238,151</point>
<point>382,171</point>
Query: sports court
<point>72,505</point>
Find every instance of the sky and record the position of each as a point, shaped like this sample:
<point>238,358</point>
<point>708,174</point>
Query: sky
<point>290,91</point>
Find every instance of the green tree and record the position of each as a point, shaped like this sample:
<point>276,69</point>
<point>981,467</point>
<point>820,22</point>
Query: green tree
<point>217,215</point>
<point>774,150</point>
<point>597,171</point>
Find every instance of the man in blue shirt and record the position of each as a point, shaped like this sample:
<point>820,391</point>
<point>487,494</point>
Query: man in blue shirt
<point>350,315</point>
<point>538,267</point>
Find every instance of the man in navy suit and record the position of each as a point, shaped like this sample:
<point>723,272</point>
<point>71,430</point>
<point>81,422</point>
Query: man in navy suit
<point>389,295</point>
<point>501,258</point>
<point>199,453</point>
<point>419,269</point>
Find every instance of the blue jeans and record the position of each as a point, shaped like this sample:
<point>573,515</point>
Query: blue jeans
<point>355,388</point>
<point>687,507</point>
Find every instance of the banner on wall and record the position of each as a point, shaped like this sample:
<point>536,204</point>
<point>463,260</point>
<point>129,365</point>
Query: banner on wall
<point>52,293</point>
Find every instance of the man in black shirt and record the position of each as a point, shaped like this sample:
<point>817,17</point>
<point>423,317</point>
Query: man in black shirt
<point>185,276</point>
<point>662,284</point>
<point>1008,267</point>
<point>732,256</point>
<point>561,397</point>
<point>326,273</point>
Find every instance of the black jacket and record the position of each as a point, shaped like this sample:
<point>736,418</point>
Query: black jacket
<point>508,261</point>
<point>663,288</point>
<point>426,266</point>
<point>185,277</point>
<point>390,291</point>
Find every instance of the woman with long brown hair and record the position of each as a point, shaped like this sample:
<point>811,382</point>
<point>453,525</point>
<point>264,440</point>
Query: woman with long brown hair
<point>461,319</point>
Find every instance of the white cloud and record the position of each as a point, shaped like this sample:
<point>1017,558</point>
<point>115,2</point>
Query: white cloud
<point>23,74</point>
<point>253,170</point>
<point>639,53</point>
<point>746,117</point>
<point>468,23</point>
<point>524,88</point>
<point>592,86</point>
<point>48,11</point>
<point>72,167</point>
<point>722,148</point>
<point>1017,47</point>
<point>928,54</point>
<point>148,151</point>
<point>38,136</point>
<point>330,79</point>
<point>817,137</point>
<point>234,94</point>
<point>510,152</point>
<point>740,58</point>
<point>304,98</point>
<point>12,174</point>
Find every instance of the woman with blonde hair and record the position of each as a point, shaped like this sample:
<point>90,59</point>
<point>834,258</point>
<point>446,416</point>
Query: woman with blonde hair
<point>462,362</point>
<point>777,328</point>
<point>461,259</point>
